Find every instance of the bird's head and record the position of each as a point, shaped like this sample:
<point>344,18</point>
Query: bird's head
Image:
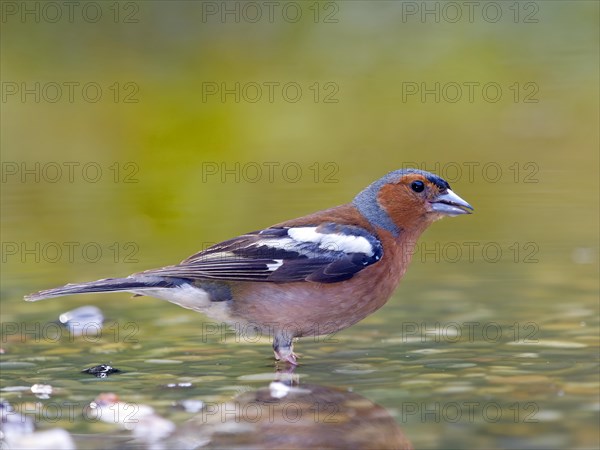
<point>409,199</point>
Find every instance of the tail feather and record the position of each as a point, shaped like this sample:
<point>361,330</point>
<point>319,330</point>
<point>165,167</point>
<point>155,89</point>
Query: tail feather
<point>134,282</point>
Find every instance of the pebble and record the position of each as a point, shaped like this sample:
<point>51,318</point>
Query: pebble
<point>142,420</point>
<point>101,371</point>
<point>42,391</point>
<point>153,428</point>
<point>190,405</point>
<point>179,385</point>
<point>55,439</point>
<point>13,423</point>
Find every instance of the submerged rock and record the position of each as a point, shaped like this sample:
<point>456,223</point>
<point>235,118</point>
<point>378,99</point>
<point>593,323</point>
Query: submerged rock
<point>101,371</point>
<point>144,423</point>
<point>42,391</point>
<point>17,432</point>
<point>13,423</point>
<point>55,439</point>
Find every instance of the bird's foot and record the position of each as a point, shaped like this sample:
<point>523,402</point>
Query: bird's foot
<point>283,346</point>
<point>287,355</point>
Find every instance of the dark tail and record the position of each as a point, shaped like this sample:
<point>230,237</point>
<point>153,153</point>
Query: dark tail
<point>132,283</point>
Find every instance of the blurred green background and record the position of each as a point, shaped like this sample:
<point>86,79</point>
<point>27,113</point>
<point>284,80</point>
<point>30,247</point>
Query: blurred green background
<point>165,94</point>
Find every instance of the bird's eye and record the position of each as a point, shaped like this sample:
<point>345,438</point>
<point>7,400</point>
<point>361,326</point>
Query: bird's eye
<point>417,186</point>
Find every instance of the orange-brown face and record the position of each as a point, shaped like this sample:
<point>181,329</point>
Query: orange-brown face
<point>414,201</point>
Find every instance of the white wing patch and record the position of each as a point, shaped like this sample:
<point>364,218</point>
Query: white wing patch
<point>332,241</point>
<point>276,265</point>
<point>336,242</point>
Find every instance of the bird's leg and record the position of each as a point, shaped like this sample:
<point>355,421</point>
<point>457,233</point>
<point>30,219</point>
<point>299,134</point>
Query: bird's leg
<point>283,347</point>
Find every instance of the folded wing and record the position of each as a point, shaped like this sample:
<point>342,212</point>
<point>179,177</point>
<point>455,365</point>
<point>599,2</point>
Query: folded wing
<point>326,253</point>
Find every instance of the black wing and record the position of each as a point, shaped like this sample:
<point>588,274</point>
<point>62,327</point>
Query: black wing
<point>327,253</point>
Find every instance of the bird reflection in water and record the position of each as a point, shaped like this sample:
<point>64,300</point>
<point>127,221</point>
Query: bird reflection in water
<point>288,415</point>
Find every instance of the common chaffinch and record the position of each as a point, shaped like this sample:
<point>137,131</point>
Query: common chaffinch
<point>310,276</point>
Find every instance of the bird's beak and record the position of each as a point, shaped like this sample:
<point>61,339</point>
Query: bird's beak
<point>450,204</point>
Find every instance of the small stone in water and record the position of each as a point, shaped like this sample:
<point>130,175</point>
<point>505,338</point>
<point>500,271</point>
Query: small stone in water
<point>179,385</point>
<point>144,423</point>
<point>153,428</point>
<point>13,423</point>
<point>101,371</point>
<point>42,391</point>
<point>54,439</point>
<point>190,405</point>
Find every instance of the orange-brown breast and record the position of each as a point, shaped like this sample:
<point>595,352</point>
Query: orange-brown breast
<point>321,308</point>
